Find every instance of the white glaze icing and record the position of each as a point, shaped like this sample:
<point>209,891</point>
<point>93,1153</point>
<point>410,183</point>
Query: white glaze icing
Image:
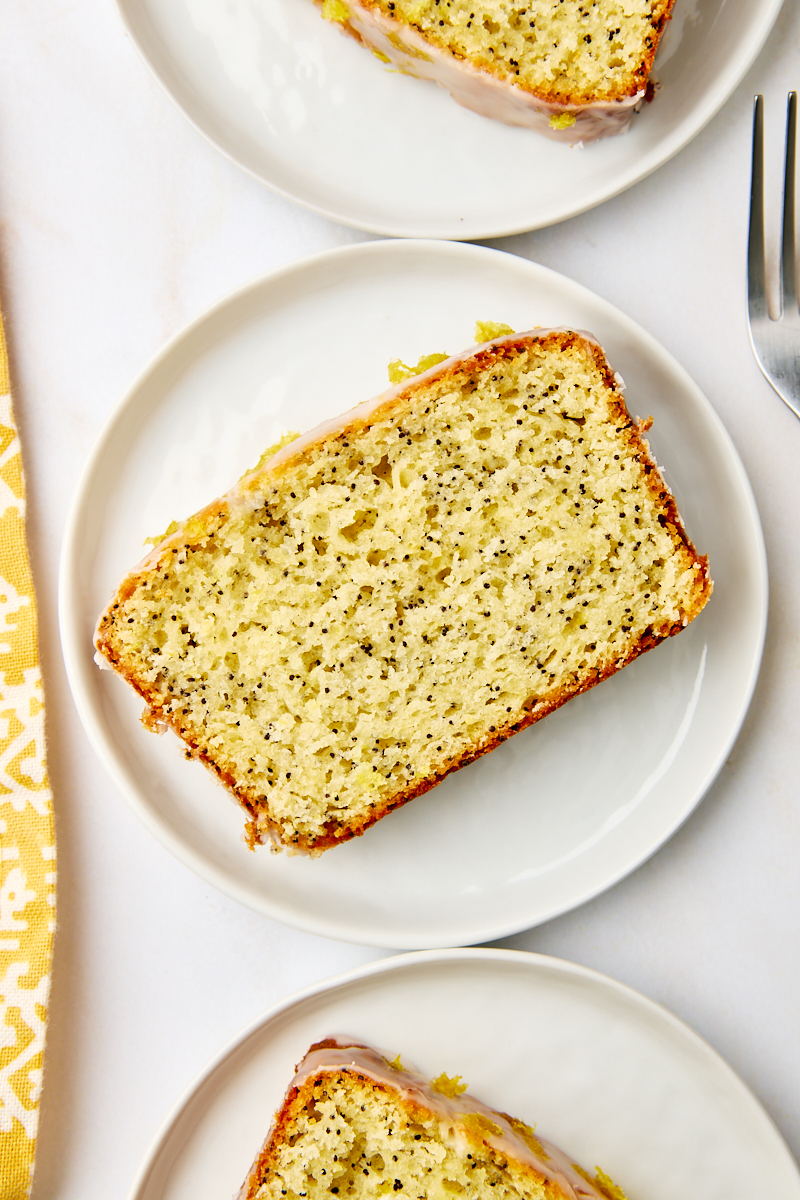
<point>412,1086</point>
<point>480,90</point>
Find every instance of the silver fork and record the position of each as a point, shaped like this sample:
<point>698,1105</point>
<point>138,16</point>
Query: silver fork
<point>776,344</point>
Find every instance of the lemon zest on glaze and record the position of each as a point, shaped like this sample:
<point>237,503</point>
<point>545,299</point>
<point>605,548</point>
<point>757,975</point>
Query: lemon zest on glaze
<point>527,1135</point>
<point>272,450</point>
<point>560,120</point>
<point>480,1124</point>
<point>398,370</point>
<point>487,331</point>
<point>447,1085</point>
<point>607,1186</point>
<point>153,541</point>
<point>335,10</point>
<point>602,1182</point>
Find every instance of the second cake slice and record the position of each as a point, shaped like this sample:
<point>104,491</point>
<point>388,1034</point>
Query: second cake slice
<point>397,592</point>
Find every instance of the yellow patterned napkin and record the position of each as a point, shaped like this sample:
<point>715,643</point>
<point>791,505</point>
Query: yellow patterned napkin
<point>27,839</point>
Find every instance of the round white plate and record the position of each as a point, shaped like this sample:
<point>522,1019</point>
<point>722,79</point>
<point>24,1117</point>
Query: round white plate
<point>321,120</point>
<point>559,812</point>
<point>601,1071</point>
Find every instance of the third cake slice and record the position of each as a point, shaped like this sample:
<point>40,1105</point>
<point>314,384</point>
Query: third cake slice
<point>354,1126</point>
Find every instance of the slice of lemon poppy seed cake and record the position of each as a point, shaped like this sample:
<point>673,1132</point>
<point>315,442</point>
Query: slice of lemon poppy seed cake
<point>573,71</point>
<point>354,1125</point>
<point>396,592</point>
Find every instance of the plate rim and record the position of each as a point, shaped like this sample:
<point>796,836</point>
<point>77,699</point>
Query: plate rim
<point>531,960</point>
<point>729,79</point>
<point>80,667</point>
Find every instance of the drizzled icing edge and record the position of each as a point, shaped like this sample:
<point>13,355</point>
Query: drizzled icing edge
<point>348,1055</point>
<point>481,91</point>
<point>362,412</point>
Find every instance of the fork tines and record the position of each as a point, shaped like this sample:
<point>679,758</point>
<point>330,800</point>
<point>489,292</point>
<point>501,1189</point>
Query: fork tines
<point>776,344</point>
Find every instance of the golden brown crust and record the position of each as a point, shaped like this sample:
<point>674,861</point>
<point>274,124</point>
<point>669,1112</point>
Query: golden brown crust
<point>264,1158</point>
<point>260,826</point>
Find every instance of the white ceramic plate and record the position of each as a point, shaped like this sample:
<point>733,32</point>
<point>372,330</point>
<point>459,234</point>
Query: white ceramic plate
<point>322,121</point>
<point>562,810</point>
<point>601,1071</point>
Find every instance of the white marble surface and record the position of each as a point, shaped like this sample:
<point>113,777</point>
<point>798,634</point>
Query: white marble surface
<point>118,223</point>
